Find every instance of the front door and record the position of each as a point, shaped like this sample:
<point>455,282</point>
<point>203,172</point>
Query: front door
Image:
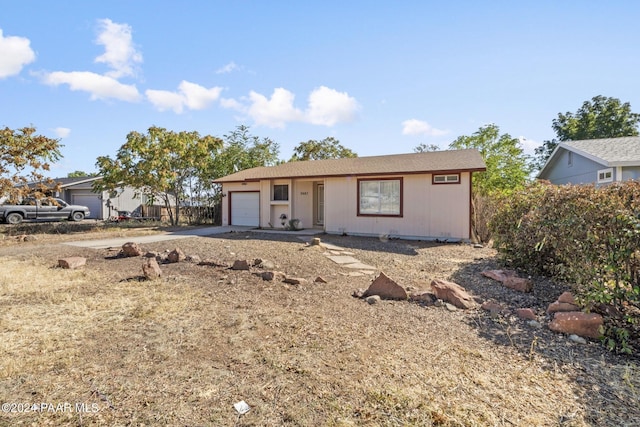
<point>320,204</point>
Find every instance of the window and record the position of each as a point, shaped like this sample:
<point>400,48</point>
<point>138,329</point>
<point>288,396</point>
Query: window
<point>453,178</point>
<point>605,175</point>
<point>380,197</point>
<point>281,192</point>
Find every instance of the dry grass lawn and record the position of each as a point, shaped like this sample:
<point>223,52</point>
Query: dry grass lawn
<point>183,349</point>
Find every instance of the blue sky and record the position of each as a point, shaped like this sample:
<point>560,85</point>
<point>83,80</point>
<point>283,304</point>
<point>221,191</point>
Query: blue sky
<point>380,76</point>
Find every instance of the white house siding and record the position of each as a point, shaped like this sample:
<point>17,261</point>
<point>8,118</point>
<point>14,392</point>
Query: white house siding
<point>302,196</point>
<point>430,211</point>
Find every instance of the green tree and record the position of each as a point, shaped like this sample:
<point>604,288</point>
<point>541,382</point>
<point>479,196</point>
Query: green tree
<point>601,117</point>
<point>24,156</point>
<point>424,148</point>
<point>507,165</point>
<point>328,148</point>
<point>80,174</point>
<point>159,164</point>
<point>242,150</point>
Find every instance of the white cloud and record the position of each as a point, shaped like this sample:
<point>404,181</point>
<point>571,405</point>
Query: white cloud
<point>189,95</point>
<point>328,107</point>
<point>420,127</point>
<point>232,104</point>
<point>528,145</point>
<point>274,112</point>
<point>231,66</point>
<point>120,53</point>
<point>99,86</point>
<point>15,53</point>
<point>62,132</point>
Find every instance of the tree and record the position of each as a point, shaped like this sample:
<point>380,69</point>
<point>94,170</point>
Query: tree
<point>24,156</point>
<point>601,117</point>
<point>328,148</point>
<point>159,164</point>
<point>244,151</point>
<point>507,165</point>
<point>424,148</point>
<point>80,174</point>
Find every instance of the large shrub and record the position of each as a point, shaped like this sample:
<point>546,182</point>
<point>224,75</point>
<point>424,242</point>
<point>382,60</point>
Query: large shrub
<point>586,236</point>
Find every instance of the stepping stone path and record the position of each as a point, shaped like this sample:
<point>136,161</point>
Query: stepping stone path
<point>345,259</point>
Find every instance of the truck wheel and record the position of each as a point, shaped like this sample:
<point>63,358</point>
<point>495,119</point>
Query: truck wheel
<point>14,218</point>
<point>77,216</point>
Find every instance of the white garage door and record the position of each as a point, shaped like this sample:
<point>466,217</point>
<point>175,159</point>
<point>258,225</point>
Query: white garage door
<point>89,200</point>
<point>245,208</point>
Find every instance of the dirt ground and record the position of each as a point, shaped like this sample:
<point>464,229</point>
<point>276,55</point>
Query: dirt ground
<point>102,346</point>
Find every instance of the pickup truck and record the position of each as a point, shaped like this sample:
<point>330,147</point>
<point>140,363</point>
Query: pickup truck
<point>43,209</point>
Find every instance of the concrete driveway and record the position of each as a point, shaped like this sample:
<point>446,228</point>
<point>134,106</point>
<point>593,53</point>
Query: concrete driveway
<point>171,235</point>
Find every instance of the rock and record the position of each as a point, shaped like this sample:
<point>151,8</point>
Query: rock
<point>320,279</point>
<point>493,307</point>
<point>193,258</point>
<point>577,339</point>
<point>268,276</point>
<point>72,263</point>
<point>176,255</point>
<point>257,262</point>
<point>499,275</point>
<point>373,299</point>
<point>386,288</point>
<point>453,293</point>
<point>439,303</point>
<point>358,293</point>
<point>315,241</point>
<point>526,313</point>
<point>534,324</point>
<point>266,265</point>
<point>295,280</point>
<point>151,269</point>
<point>567,297</point>
<point>555,307</point>
<point>240,264</point>
<point>427,298</point>
<point>450,307</point>
<point>131,249</point>
<point>587,325</point>
<point>30,238</point>
<point>518,283</point>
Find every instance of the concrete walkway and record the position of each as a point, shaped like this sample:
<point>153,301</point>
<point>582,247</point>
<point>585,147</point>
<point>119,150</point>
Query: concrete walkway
<point>161,237</point>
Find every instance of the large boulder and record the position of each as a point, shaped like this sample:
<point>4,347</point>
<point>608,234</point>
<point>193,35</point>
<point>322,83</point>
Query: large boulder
<point>452,293</point>
<point>576,322</point>
<point>386,288</point>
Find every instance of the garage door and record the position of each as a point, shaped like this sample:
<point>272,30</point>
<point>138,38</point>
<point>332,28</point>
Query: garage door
<point>245,208</point>
<point>89,200</point>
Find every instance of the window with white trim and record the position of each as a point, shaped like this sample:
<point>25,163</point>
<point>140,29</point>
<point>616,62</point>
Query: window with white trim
<point>380,197</point>
<point>453,178</point>
<point>605,175</point>
<point>281,192</point>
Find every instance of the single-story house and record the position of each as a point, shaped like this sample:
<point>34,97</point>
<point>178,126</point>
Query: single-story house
<point>593,161</point>
<point>423,196</point>
<point>102,204</point>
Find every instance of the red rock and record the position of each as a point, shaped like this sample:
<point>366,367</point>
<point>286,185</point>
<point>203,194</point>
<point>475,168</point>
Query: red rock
<point>386,288</point>
<point>320,279</point>
<point>131,249</point>
<point>72,262</point>
<point>151,269</point>
<point>518,283</point>
<point>568,298</point>
<point>453,293</point>
<point>587,325</point>
<point>493,307</point>
<point>176,255</point>
<point>240,264</point>
<point>555,307</point>
<point>526,313</point>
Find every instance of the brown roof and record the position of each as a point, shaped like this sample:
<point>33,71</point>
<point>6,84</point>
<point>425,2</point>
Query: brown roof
<point>395,164</point>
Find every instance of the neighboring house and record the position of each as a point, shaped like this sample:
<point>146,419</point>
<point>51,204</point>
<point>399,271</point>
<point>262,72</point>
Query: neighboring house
<point>103,204</point>
<point>415,196</point>
<point>593,161</point>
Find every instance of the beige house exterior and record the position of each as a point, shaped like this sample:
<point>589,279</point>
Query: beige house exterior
<point>424,196</point>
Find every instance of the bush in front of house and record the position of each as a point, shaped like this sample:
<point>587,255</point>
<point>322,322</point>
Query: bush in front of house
<point>583,235</point>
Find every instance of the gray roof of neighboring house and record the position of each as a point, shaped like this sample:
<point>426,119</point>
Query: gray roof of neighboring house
<point>394,164</point>
<point>68,182</point>
<point>609,152</point>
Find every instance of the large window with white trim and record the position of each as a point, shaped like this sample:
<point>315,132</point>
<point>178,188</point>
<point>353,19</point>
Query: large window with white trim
<point>380,197</point>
